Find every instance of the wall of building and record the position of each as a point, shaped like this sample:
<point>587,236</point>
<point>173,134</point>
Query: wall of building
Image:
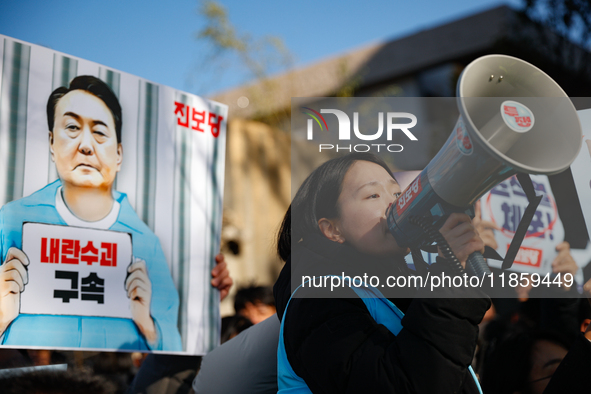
<point>256,196</point>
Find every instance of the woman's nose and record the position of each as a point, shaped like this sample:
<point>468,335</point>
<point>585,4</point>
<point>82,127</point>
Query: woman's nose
<point>388,208</point>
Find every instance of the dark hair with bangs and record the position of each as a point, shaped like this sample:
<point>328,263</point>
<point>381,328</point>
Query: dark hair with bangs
<point>317,198</point>
<point>94,86</point>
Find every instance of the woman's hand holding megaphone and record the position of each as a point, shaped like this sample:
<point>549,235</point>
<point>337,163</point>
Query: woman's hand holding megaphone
<point>462,236</point>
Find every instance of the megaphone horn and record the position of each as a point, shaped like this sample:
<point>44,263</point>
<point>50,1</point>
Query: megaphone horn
<point>513,118</point>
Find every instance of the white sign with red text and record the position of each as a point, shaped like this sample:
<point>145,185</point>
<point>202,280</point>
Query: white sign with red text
<point>505,205</point>
<point>76,271</point>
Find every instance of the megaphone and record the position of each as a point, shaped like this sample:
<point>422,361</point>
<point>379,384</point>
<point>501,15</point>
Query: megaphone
<point>513,118</point>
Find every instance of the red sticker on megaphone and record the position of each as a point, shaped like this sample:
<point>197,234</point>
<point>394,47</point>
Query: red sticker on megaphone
<point>517,116</point>
<point>462,138</point>
<point>408,195</point>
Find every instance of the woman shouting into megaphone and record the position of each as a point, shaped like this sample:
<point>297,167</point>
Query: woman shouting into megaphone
<point>339,334</point>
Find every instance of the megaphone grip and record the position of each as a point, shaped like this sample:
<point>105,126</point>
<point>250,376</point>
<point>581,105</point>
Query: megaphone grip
<point>435,235</point>
<point>476,265</point>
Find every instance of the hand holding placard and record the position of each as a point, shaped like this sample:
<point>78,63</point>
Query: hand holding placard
<point>220,275</point>
<point>485,228</point>
<point>139,291</point>
<point>564,263</point>
<point>13,278</point>
<point>76,271</point>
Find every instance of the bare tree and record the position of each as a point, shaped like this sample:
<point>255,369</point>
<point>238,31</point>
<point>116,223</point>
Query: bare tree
<point>233,51</point>
<point>569,18</point>
<point>563,31</point>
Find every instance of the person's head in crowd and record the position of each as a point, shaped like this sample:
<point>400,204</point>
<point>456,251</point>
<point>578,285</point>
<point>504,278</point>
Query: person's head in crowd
<point>84,122</point>
<point>256,303</point>
<point>345,200</point>
<point>232,326</point>
<point>55,382</point>
<point>522,362</point>
<point>14,358</point>
<point>40,356</point>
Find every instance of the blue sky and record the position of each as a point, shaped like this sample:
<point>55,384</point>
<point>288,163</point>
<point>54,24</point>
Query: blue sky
<point>156,39</point>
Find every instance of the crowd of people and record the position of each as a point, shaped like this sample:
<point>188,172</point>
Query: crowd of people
<point>298,339</point>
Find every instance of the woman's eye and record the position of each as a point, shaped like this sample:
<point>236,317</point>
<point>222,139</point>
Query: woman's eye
<point>72,127</point>
<point>396,195</point>
<point>374,196</point>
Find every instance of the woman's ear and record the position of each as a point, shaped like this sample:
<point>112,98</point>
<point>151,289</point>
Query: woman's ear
<point>330,229</point>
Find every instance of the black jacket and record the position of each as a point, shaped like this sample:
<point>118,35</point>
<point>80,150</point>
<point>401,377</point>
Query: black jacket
<point>573,375</point>
<point>334,344</point>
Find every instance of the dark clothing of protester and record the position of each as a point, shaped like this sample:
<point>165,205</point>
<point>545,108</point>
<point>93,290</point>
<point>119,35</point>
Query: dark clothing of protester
<point>165,374</point>
<point>246,364</point>
<point>334,344</point>
<point>573,375</point>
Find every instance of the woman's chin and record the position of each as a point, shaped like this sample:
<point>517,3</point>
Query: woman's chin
<point>390,252</point>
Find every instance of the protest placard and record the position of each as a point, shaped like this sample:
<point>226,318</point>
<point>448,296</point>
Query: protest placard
<point>111,199</point>
<point>76,271</point>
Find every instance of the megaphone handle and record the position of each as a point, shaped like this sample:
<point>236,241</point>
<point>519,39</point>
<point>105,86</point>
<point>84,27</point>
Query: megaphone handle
<point>476,265</point>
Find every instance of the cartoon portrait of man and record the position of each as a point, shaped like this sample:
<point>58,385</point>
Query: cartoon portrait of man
<point>85,122</point>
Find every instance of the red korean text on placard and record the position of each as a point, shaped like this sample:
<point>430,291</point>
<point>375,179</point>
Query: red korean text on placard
<point>69,251</point>
<point>198,119</point>
<point>53,254</point>
<point>89,254</point>
<point>528,256</point>
<point>189,117</point>
<point>109,254</point>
